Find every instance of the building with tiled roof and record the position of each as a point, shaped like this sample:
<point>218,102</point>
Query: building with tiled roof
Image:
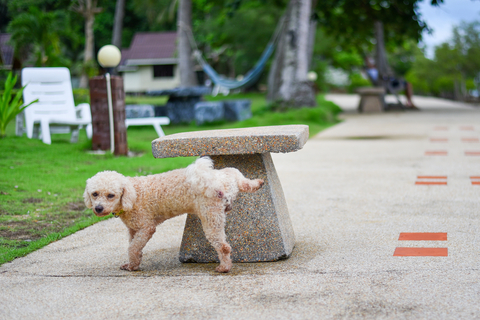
<point>150,63</point>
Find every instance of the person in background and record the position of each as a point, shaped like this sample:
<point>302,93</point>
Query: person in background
<point>393,84</point>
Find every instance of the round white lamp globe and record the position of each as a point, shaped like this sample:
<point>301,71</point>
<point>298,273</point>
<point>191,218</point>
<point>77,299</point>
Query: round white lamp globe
<point>109,56</point>
<point>312,76</point>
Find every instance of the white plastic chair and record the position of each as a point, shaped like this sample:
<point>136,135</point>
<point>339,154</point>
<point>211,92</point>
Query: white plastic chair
<point>55,111</point>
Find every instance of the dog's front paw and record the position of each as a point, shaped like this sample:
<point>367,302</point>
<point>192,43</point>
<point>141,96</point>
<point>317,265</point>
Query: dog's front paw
<point>222,269</point>
<point>129,267</point>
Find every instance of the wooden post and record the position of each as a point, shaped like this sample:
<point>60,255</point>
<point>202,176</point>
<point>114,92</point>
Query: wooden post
<point>100,121</point>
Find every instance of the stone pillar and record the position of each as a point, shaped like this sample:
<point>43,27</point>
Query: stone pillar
<point>258,228</point>
<point>100,120</point>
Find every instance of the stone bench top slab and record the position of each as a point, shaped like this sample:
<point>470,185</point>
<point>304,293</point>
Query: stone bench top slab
<point>371,90</point>
<point>231,141</point>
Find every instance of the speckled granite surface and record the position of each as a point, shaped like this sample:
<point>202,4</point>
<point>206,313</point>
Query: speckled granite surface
<point>258,228</point>
<point>231,141</point>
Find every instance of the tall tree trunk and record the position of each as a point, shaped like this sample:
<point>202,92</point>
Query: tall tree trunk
<point>118,25</point>
<point>311,36</point>
<point>88,9</point>
<point>88,55</point>
<point>381,61</point>
<point>288,85</point>
<point>311,42</point>
<point>184,26</point>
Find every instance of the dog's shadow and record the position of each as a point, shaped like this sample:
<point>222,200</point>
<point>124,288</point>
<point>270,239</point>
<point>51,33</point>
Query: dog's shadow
<point>165,262</point>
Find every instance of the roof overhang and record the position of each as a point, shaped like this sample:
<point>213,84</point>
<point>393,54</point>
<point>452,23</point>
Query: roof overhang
<point>127,68</point>
<point>150,62</point>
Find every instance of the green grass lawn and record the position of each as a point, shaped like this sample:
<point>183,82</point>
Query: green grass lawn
<point>41,186</point>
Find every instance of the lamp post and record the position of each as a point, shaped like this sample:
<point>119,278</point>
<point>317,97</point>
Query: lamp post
<point>109,57</point>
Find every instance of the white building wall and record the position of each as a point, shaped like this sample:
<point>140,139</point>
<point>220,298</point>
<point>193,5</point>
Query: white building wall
<point>142,80</point>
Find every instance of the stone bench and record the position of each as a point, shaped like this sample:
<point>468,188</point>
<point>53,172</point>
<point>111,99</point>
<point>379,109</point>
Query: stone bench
<point>371,99</point>
<point>259,227</point>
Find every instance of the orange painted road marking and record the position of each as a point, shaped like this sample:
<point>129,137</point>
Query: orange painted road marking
<point>440,128</point>
<point>420,252</point>
<point>438,139</point>
<point>423,236</point>
<point>436,153</point>
<point>470,139</point>
<point>472,153</point>
<point>466,128</point>
<point>431,177</point>
<point>473,178</point>
<point>427,180</point>
<point>431,182</point>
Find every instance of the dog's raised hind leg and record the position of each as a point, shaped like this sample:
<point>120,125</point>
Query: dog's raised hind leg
<point>137,244</point>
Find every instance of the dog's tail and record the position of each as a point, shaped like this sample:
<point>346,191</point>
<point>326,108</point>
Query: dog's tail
<point>201,176</point>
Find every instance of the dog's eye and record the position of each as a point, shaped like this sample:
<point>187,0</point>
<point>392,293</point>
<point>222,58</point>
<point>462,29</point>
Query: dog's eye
<point>94,194</point>
<point>110,196</point>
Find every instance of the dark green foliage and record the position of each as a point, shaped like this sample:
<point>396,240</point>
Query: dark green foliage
<point>351,21</point>
<point>39,32</point>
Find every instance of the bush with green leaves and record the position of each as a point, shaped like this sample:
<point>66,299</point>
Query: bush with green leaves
<point>10,105</point>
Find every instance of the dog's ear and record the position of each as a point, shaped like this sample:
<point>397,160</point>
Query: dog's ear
<point>86,198</point>
<point>129,195</point>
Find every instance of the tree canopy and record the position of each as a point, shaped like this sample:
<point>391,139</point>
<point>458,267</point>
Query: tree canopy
<point>233,33</point>
<point>351,21</point>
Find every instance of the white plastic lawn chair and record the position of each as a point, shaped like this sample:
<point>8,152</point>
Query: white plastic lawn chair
<point>55,112</point>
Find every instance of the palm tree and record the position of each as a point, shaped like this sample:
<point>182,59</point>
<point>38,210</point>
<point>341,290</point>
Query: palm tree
<point>184,27</point>
<point>88,9</point>
<point>118,23</point>
<point>39,32</point>
<point>288,85</point>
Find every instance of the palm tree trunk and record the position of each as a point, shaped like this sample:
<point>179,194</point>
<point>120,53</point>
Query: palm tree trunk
<point>381,61</point>
<point>288,83</point>
<point>88,9</point>
<point>118,24</point>
<point>185,62</point>
<point>88,54</point>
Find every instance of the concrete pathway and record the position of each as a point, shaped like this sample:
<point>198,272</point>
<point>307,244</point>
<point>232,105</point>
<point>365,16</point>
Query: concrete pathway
<point>351,192</point>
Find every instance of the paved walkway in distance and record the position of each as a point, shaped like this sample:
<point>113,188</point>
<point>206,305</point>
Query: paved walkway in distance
<point>351,191</point>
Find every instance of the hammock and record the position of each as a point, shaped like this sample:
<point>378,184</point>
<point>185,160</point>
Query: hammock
<point>223,84</point>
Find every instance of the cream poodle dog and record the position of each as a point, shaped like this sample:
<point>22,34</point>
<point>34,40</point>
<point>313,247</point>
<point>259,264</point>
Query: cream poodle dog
<point>144,202</point>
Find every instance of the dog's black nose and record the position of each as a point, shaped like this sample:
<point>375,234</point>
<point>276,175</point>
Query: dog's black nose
<point>99,209</point>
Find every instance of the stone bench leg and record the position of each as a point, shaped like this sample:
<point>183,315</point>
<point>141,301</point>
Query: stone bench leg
<point>258,228</point>
<point>371,103</point>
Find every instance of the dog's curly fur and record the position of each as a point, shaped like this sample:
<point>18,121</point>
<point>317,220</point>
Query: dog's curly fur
<point>144,202</point>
